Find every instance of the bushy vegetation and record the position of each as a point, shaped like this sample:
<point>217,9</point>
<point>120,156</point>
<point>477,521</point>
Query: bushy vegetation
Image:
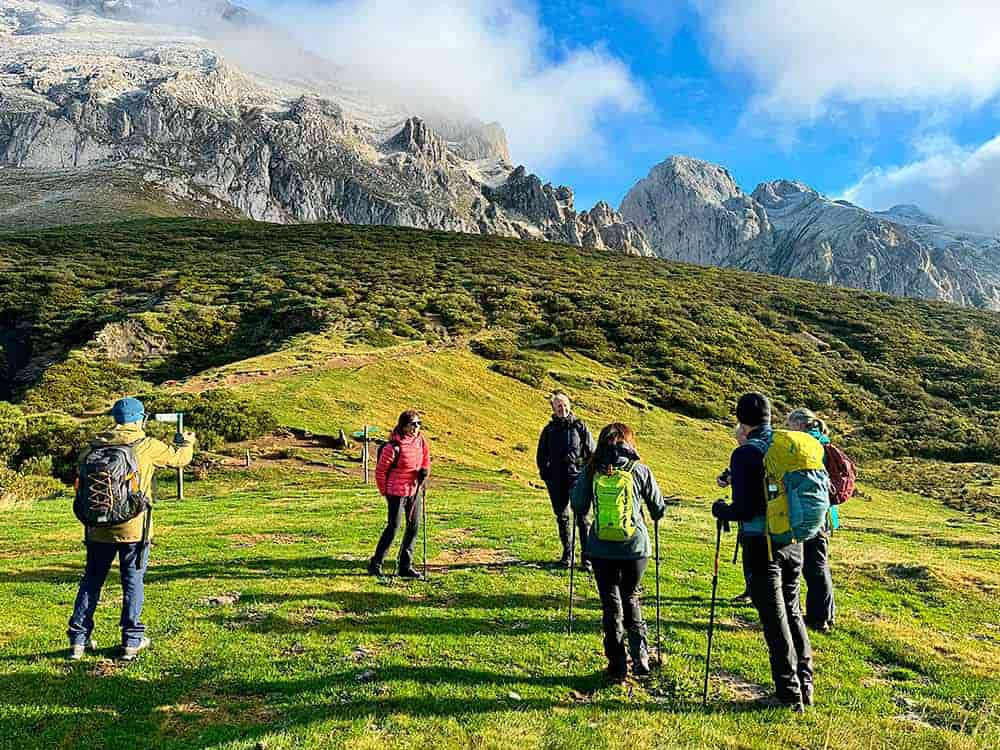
<point>55,440</point>
<point>217,416</point>
<point>895,377</point>
<point>11,431</point>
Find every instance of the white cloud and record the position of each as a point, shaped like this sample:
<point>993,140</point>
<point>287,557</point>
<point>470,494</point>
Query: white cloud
<point>801,56</point>
<point>485,58</point>
<point>959,185</point>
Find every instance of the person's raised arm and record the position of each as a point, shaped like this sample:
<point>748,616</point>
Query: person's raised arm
<point>173,456</point>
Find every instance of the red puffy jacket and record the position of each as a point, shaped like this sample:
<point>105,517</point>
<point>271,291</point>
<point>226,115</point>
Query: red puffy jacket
<point>396,471</point>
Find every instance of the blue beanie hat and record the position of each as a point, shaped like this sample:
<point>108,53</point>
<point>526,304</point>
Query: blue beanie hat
<point>128,410</point>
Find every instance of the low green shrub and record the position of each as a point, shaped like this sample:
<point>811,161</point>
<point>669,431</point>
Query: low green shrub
<point>37,466</point>
<point>217,416</point>
<point>12,423</point>
<point>59,439</point>
<point>80,383</point>
<point>497,348</point>
<point>527,372</point>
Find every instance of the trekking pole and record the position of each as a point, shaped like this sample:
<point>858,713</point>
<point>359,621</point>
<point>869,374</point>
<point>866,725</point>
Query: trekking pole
<point>719,526</point>
<point>656,534</point>
<point>423,510</point>
<point>572,560</point>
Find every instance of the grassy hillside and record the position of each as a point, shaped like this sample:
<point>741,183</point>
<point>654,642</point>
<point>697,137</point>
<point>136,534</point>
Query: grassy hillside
<point>267,635</point>
<point>171,297</point>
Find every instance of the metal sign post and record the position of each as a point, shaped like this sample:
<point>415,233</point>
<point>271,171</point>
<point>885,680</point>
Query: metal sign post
<point>176,418</point>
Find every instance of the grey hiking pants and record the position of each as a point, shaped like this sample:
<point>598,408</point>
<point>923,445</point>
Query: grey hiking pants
<point>820,606</point>
<point>618,583</point>
<point>398,508</point>
<point>774,587</point>
<point>559,490</point>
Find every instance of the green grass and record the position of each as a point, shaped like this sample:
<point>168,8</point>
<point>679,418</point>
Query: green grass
<point>478,656</point>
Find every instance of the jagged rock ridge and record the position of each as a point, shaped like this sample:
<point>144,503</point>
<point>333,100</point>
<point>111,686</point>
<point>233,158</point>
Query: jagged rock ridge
<point>693,210</point>
<point>85,84</point>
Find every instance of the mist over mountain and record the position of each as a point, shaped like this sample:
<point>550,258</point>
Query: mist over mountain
<point>150,87</point>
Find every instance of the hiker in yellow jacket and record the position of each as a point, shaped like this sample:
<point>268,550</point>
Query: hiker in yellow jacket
<point>129,541</point>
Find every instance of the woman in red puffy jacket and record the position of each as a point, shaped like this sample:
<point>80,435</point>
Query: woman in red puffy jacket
<point>403,465</point>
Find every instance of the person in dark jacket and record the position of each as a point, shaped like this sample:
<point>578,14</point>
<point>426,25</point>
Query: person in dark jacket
<point>821,609</point>
<point>774,573</point>
<point>723,481</point>
<point>619,564</point>
<point>402,469</point>
<point>564,448</point>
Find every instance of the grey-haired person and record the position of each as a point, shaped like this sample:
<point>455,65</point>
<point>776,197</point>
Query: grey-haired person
<point>564,448</point>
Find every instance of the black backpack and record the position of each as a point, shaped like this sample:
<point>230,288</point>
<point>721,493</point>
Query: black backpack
<point>107,488</point>
<point>391,444</point>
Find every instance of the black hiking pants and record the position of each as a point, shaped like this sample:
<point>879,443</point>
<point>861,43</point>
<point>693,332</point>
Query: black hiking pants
<point>774,587</point>
<point>400,507</point>
<point>618,583</point>
<point>559,489</point>
<point>820,607</point>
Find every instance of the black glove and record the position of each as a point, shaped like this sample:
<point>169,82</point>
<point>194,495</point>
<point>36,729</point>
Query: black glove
<point>422,475</point>
<point>719,509</point>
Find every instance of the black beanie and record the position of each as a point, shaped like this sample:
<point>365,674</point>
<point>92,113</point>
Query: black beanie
<point>753,409</point>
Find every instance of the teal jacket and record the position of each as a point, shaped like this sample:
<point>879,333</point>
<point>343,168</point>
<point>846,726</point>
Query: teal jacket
<point>646,491</point>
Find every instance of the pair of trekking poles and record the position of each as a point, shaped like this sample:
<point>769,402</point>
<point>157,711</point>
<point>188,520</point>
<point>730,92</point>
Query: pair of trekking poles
<point>572,558</point>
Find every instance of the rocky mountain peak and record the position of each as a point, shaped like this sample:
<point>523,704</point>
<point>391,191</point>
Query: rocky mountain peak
<point>711,181</point>
<point>781,193</point>
<point>694,211</point>
<point>418,139</point>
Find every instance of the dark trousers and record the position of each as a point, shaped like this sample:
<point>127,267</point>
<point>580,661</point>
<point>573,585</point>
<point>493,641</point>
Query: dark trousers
<point>100,556</point>
<point>397,508</point>
<point>618,585</point>
<point>559,490</point>
<point>820,607</point>
<point>774,587</point>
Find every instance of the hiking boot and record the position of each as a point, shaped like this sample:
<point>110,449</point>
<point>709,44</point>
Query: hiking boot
<point>565,561</point>
<point>639,650</point>
<point>807,695</point>
<point>130,653</point>
<point>743,598</point>
<point>374,568</point>
<point>796,707</point>
<point>616,674</point>
<point>77,650</point>
<point>586,567</point>
<point>821,627</point>
<point>411,573</point>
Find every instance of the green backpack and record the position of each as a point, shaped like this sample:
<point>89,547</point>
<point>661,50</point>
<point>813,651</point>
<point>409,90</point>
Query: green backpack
<point>613,495</point>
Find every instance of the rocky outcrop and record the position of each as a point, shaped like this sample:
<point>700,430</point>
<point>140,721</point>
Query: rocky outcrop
<point>83,96</point>
<point>693,211</point>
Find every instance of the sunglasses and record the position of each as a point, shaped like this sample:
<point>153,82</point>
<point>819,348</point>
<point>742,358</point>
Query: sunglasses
<point>413,424</point>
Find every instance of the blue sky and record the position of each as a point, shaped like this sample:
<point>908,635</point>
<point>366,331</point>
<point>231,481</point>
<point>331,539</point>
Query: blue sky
<point>699,107</point>
<point>879,101</point>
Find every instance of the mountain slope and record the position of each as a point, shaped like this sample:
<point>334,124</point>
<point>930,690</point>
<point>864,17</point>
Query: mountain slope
<point>88,85</point>
<point>85,312</point>
<point>694,211</point>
